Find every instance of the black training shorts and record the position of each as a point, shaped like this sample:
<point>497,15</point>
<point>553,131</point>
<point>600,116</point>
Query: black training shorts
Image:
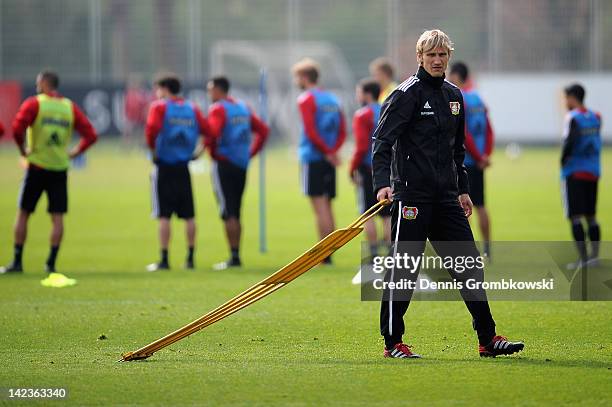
<point>477,190</point>
<point>319,179</point>
<point>228,183</point>
<point>37,181</point>
<point>171,191</point>
<point>366,197</point>
<point>580,197</point>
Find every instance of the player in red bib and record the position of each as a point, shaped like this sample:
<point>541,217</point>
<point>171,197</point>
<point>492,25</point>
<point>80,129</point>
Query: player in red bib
<point>360,170</point>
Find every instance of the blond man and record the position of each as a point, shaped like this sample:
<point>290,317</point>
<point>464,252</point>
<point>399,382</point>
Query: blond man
<point>382,71</point>
<point>323,133</point>
<point>418,155</point>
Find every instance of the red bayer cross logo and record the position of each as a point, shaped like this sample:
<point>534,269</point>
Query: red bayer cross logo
<point>455,107</point>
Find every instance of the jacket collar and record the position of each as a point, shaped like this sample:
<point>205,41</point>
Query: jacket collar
<point>430,80</point>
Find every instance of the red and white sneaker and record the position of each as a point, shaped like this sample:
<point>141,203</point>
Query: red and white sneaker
<point>500,345</point>
<point>402,351</point>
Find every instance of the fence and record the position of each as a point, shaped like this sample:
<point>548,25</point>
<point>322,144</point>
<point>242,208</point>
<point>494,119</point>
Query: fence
<point>100,44</point>
<point>105,40</point>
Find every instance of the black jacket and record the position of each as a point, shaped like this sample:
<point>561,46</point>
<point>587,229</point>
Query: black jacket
<point>418,144</point>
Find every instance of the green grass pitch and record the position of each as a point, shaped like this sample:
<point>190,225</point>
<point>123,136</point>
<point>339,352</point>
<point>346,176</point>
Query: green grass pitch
<point>314,342</point>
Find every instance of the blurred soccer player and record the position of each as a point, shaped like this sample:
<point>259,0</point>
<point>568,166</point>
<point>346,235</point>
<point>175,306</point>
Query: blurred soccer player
<point>580,171</point>
<point>479,141</point>
<point>137,100</point>
<point>417,162</point>
<point>173,129</point>
<point>381,70</point>
<point>49,120</point>
<point>322,136</point>
<point>360,170</point>
<point>231,146</point>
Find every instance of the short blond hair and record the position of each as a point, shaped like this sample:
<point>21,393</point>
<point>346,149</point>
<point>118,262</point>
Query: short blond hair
<point>432,39</point>
<point>382,64</point>
<point>307,67</point>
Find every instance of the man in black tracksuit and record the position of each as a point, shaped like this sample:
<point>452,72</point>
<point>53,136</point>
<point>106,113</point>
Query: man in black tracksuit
<point>418,157</point>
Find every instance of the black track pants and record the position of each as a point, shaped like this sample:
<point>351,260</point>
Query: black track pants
<point>413,224</point>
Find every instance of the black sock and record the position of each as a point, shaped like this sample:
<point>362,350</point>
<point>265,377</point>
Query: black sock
<point>18,251</point>
<point>487,247</point>
<point>52,256</point>
<point>387,246</point>
<point>594,237</point>
<point>485,339</point>
<point>235,254</point>
<point>164,256</point>
<point>484,330</point>
<point>190,255</point>
<point>373,249</point>
<point>390,342</point>
<point>578,233</point>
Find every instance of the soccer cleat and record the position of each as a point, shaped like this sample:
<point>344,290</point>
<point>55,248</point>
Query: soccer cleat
<point>486,251</point>
<point>189,265</point>
<point>357,278</point>
<point>500,345</point>
<point>593,262</point>
<point>401,351</point>
<point>11,268</point>
<point>49,268</point>
<point>578,264</point>
<point>364,273</point>
<point>575,265</point>
<point>158,267</point>
<point>224,265</point>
